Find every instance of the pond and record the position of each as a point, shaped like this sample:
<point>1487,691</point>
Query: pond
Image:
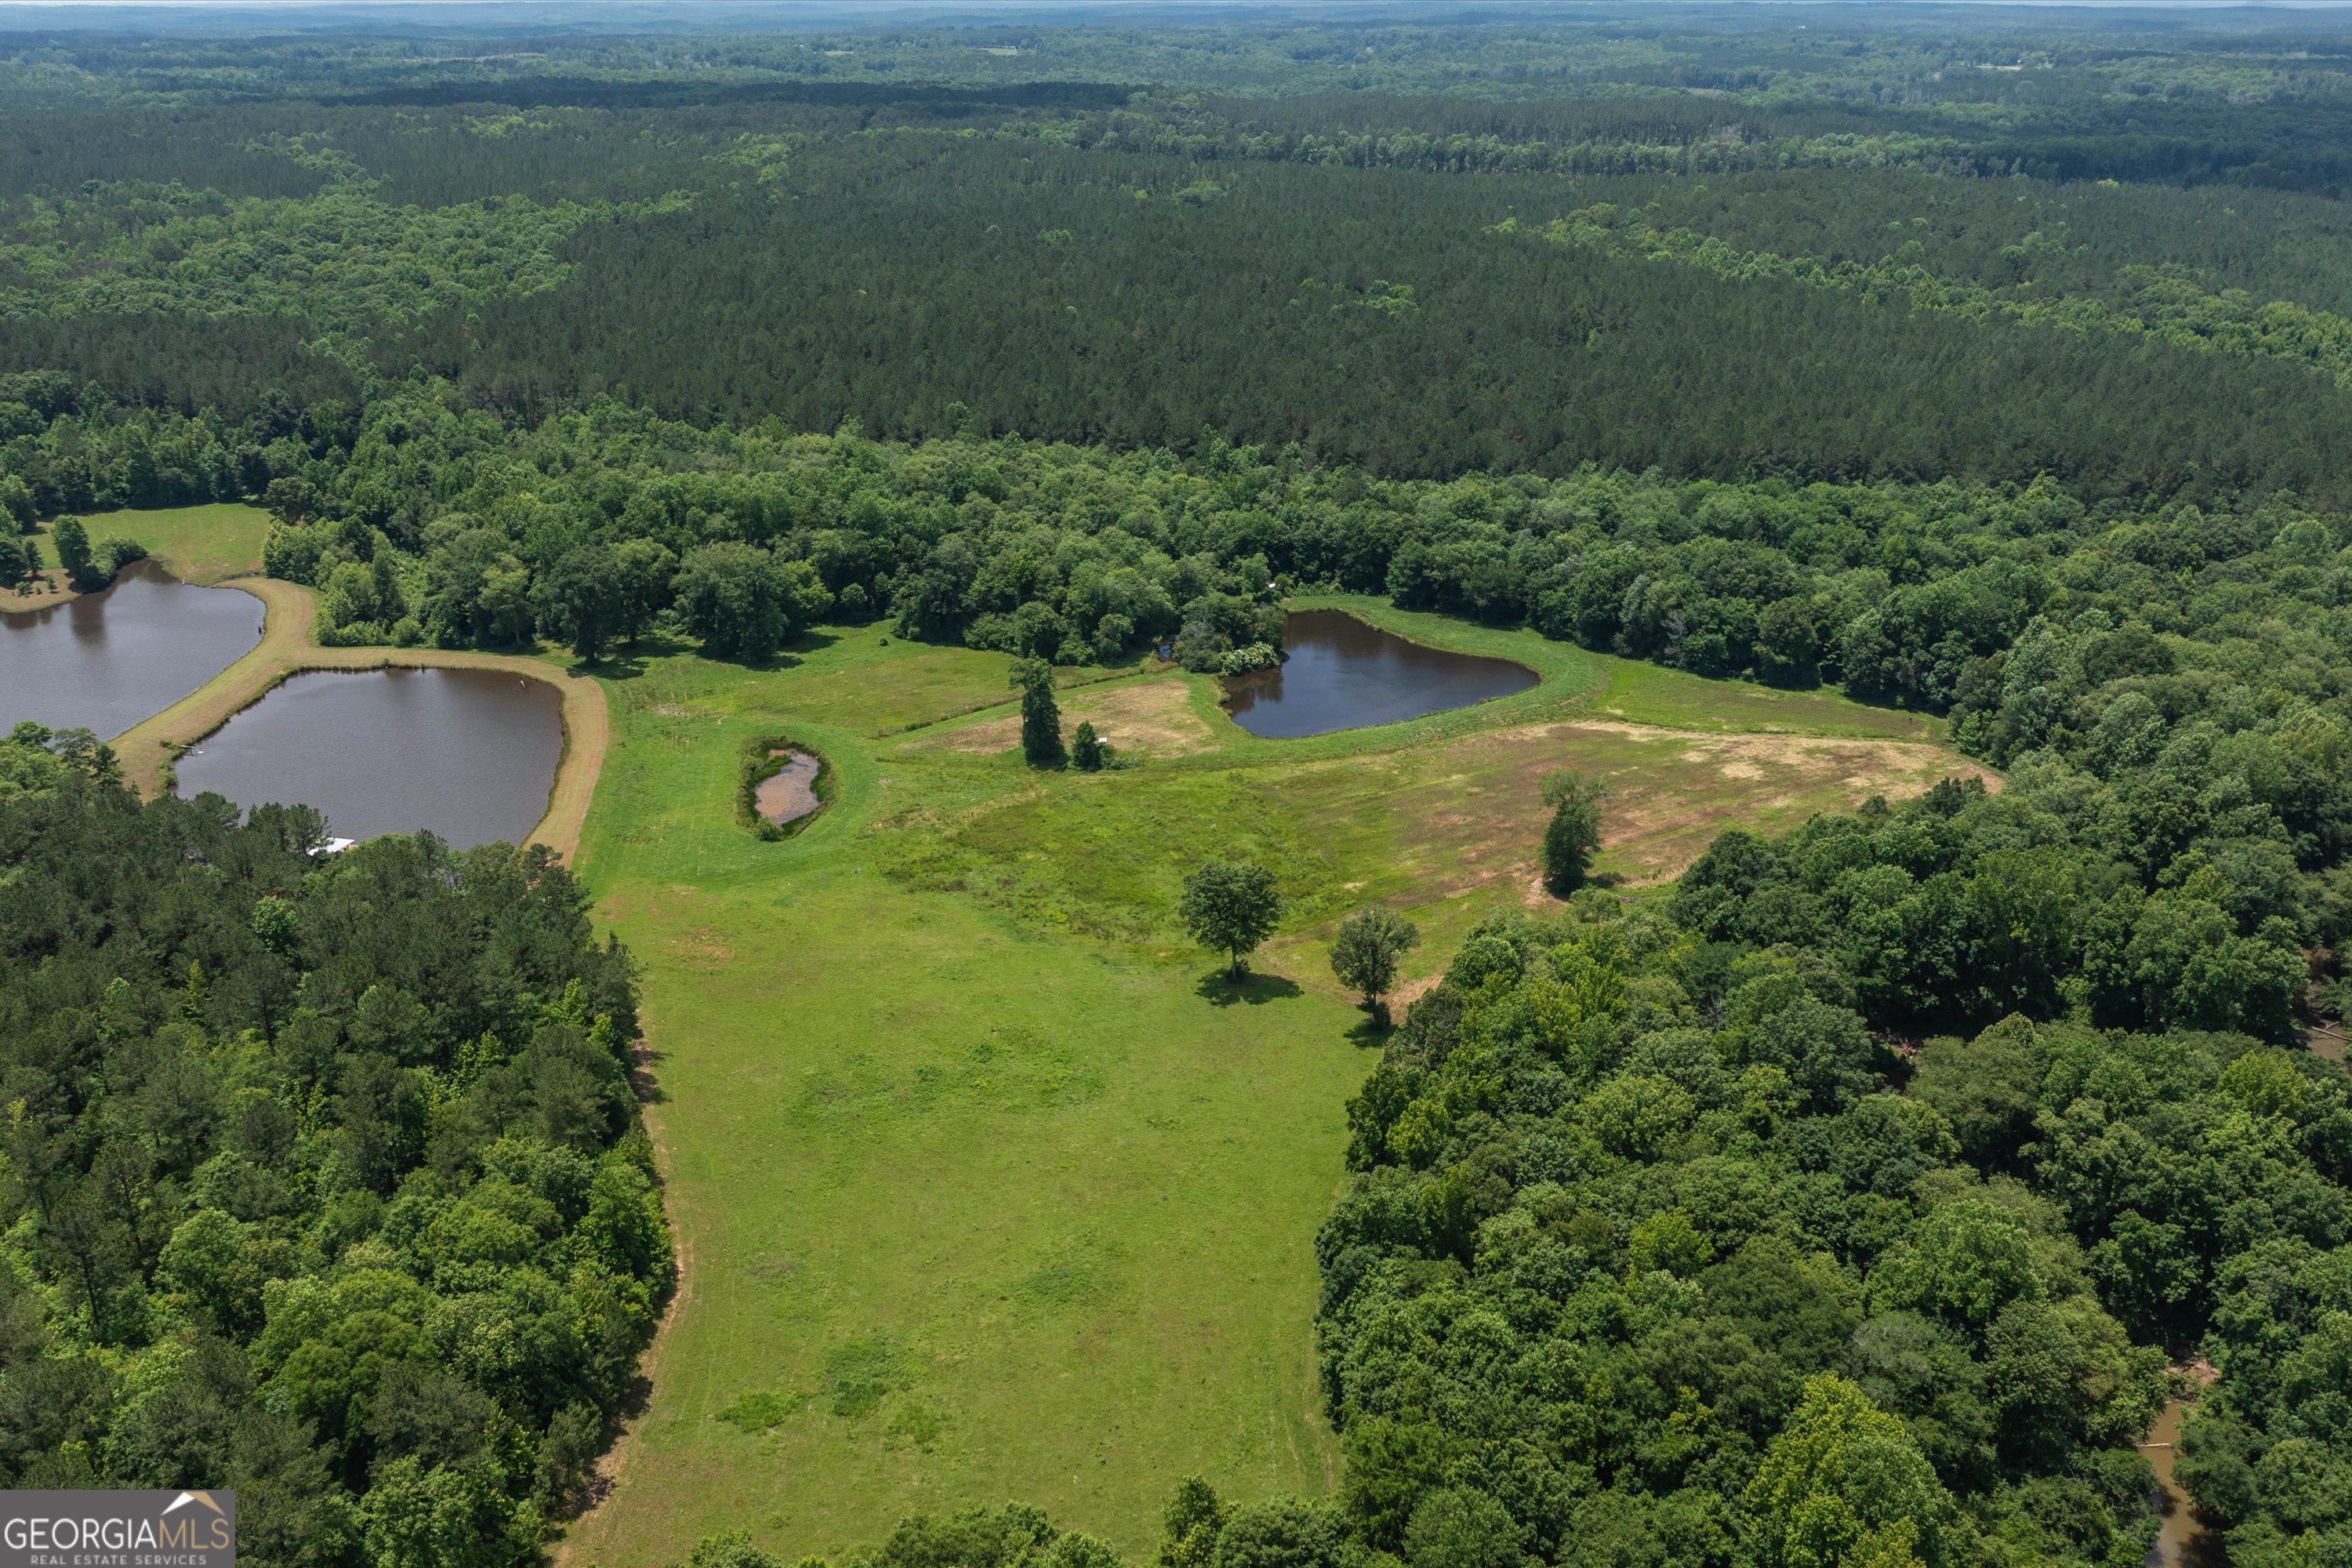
<point>790,792</point>
<point>1344,674</point>
<point>107,660</point>
<point>469,755</point>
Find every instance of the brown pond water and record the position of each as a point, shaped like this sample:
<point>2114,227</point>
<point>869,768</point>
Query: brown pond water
<point>469,755</point>
<point>2185,1541</point>
<point>1344,674</point>
<point>105,660</point>
<point>789,793</point>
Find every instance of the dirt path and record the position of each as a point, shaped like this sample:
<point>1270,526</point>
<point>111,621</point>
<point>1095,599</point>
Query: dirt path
<point>286,649</point>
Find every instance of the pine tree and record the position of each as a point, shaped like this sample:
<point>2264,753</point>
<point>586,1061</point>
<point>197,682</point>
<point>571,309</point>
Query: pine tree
<point>1041,716</point>
<point>1574,831</point>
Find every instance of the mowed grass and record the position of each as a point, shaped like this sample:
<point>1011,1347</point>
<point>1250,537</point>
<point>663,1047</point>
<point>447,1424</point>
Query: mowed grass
<point>201,544</point>
<point>1644,693</point>
<point>986,1184</point>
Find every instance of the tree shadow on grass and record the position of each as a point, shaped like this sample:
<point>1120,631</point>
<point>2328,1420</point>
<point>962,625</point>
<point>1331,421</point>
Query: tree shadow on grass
<point>1369,1031</point>
<point>645,1063</point>
<point>627,661</point>
<point>1602,879</point>
<point>613,666</point>
<point>767,664</point>
<point>789,657</point>
<point>1219,990</point>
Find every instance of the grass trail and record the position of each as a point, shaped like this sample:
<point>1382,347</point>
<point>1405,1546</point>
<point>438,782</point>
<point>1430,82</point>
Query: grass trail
<point>970,1210</point>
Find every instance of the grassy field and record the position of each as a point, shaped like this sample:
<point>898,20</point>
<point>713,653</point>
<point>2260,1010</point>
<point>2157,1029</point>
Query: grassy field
<point>1643,693</point>
<point>195,544</point>
<point>987,1187</point>
<point>969,1210</point>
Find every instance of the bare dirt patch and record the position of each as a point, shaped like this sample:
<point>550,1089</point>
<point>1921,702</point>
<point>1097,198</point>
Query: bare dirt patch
<point>1150,718</point>
<point>700,949</point>
<point>1409,992</point>
<point>1671,791</point>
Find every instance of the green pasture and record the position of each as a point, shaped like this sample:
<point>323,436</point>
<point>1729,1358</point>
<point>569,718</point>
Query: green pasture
<point>206,544</point>
<point>969,1210</point>
<point>986,1185</point>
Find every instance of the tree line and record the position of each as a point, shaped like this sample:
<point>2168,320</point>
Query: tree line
<point>2187,664</point>
<point>1028,287</point>
<point>1010,262</point>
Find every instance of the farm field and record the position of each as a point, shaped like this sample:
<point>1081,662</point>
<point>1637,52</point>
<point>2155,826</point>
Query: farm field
<point>985,1184</point>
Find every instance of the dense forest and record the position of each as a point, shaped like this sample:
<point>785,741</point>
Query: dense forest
<point>2119,263</point>
<point>1844,1208</point>
<point>324,1177</point>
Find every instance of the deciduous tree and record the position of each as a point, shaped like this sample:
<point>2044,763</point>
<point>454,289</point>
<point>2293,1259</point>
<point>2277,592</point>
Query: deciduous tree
<point>581,599</point>
<point>1365,953</point>
<point>1230,907</point>
<point>72,541</point>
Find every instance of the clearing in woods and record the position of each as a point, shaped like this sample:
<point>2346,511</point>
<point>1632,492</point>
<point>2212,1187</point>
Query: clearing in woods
<point>986,1185</point>
<point>203,544</point>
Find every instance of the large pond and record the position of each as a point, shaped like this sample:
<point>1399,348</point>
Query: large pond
<point>105,661</point>
<point>469,755</point>
<point>1343,674</point>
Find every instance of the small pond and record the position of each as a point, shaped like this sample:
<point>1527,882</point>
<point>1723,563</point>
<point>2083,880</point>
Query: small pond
<point>107,660</point>
<point>790,792</point>
<point>1344,674</point>
<point>469,755</point>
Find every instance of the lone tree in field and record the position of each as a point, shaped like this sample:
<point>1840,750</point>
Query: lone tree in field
<point>1088,750</point>
<point>1574,831</point>
<point>1364,955</point>
<point>1041,716</point>
<point>1230,907</point>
